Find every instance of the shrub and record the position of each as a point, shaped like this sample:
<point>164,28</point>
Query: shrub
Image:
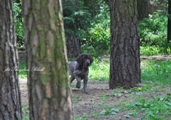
<point>19,21</point>
<point>153,30</point>
<point>99,33</point>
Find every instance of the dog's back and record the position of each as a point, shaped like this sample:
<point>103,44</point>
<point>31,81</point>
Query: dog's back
<point>72,66</point>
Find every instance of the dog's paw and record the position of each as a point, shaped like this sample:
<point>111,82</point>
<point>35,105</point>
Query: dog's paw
<point>78,85</point>
<point>84,91</point>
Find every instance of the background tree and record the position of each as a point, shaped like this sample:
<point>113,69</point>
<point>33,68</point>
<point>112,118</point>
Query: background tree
<point>76,22</point>
<point>169,22</point>
<point>48,87</point>
<point>143,9</point>
<point>10,101</point>
<point>125,53</point>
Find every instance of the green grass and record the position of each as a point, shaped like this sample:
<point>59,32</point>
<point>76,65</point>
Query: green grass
<point>158,72</point>
<point>150,50</point>
<point>157,108</point>
<point>75,99</point>
<point>22,69</point>
<point>25,112</point>
<point>149,107</point>
<point>103,96</point>
<point>99,71</point>
<point>141,103</point>
<point>151,71</point>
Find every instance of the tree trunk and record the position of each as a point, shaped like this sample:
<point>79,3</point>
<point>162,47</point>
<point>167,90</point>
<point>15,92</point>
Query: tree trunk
<point>10,100</point>
<point>73,45</point>
<point>155,5</point>
<point>125,53</point>
<point>48,86</point>
<point>143,11</point>
<point>169,22</point>
<point>72,40</point>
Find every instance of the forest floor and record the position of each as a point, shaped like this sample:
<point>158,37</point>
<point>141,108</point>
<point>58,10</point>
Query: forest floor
<point>103,104</point>
<point>100,100</point>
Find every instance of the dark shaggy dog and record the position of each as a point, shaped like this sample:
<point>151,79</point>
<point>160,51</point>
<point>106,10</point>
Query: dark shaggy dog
<point>79,70</point>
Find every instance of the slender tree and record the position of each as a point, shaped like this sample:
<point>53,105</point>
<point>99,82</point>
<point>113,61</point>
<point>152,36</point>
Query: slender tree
<point>48,87</point>
<point>143,9</point>
<point>169,22</point>
<point>125,53</point>
<point>10,101</point>
<point>71,29</point>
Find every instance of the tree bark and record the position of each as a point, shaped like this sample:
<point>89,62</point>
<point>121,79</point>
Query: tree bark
<point>73,45</point>
<point>125,53</point>
<point>10,100</point>
<point>169,22</point>
<point>72,39</point>
<point>143,11</point>
<point>48,86</point>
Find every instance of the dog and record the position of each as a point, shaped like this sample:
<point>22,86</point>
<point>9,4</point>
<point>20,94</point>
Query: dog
<point>79,69</point>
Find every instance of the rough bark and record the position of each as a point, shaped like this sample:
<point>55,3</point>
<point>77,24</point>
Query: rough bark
<point>10,101</point>
<point>143,11</point>
<point>73,45</point>
<point>169,22</point>
<point>49,91</point>
<point>72,39</point>
<point>124,55</point>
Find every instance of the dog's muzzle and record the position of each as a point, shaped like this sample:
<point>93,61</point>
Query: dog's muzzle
<point>87,62</point>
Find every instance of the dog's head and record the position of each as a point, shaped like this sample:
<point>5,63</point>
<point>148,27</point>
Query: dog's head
<point>84,60</point>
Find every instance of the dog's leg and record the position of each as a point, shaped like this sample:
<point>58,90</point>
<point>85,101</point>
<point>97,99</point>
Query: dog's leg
<point>72,79</point>
<point>78,85</point>
<point>76,75</point>
<point>85,84</point>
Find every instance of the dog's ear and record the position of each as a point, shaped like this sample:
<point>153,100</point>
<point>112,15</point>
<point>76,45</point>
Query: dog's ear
<point>79,59</point>
<point>91,59</point>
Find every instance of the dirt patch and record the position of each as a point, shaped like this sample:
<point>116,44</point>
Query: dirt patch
<point>24,91</point>
<point>99,98</point>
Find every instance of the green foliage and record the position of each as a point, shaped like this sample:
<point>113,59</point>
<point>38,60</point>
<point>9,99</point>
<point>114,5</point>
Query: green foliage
<point>25,112</point>
<point>75,99</point>
<point>99,32</point>
<point>22,69</point>
<point>103,96</point>
<point>76,18</point>
<point>19,21</point>
<point>158,72</point>
<point>154,50</point>
<point>110,111</point>
<point>153,30</point>
<point>154,109</point>
<point>150,50</point>
<point>80,118</point>
<point>99,70</point>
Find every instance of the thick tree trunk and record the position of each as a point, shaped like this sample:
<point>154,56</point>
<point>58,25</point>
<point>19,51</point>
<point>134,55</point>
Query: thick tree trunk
<point>169,22</point>
<point>125,55</point>
<point>10,101</point>
<point>73,45</point>
<point>48,86</point>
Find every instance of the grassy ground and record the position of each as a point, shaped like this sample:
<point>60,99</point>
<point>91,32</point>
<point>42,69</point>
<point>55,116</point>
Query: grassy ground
<point>151,101</point>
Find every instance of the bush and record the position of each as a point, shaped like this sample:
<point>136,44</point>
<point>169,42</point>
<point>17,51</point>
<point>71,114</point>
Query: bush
<point>19,21</point>
<point>99,33</point>
<point>153,30</point>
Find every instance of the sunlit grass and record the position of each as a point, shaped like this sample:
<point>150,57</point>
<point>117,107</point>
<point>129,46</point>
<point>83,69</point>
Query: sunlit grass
<point>22,69</point>
<point>151,71</point>
<point>156,71</point>
<point>99,71</point>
